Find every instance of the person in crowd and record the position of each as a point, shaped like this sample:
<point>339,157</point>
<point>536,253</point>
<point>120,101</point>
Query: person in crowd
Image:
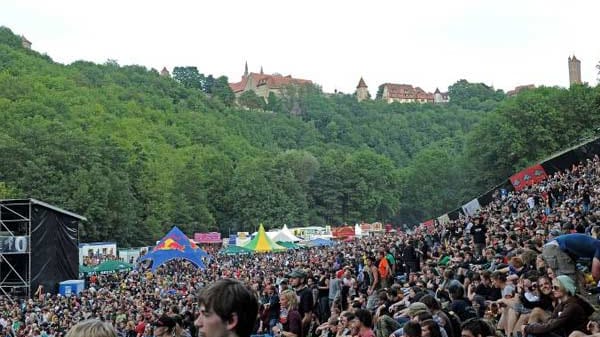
<point>477,327</point>
<point>227,308</point>
<point>561,254</point>
<point>92,328</point>
<point>166,326</point>
<point>429,328</point>
<point>305,306</point>
<point>412,329</point>
<point>363,321</point>
<point>290,319</point>
<point>571,312</point>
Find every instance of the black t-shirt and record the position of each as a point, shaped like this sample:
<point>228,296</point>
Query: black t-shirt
<point>489,293</point>
<point>478,231</point>
<point>306,301</point>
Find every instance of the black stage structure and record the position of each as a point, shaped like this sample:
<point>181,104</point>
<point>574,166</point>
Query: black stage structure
<point>38,247</point>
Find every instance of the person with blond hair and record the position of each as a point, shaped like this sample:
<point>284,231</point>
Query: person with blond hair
<point>290,321</point>
<point>92,328</point>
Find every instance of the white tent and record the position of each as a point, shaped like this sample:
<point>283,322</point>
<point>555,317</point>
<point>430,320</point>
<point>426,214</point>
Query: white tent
<point>285,235</point>
<point>357,230</point>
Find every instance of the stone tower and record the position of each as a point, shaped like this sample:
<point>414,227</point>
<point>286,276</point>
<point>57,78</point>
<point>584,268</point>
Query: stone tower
<point>362,91</point>
<point>574,71</point>
<point>246,70</point>
<point>164,72</point>
<point>25,43</point>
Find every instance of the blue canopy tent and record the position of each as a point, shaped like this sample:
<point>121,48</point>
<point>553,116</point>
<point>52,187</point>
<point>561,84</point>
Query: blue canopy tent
<point>175,245</point>
<point>320,242</point>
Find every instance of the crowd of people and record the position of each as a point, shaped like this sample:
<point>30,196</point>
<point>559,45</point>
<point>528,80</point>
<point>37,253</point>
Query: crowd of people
<point>527,264</point>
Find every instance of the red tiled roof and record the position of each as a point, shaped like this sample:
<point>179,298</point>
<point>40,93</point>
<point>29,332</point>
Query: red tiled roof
<point>271,81</point>
<point>239,86</point>
<point>520,88</point>
<point>407,91</point>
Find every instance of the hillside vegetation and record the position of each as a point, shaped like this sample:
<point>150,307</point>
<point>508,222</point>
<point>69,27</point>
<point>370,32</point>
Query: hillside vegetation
<point>136,153</point>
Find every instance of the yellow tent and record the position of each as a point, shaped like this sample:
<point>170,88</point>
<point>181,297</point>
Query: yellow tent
<point>262,244</point>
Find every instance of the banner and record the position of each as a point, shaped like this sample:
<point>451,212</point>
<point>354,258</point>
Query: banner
<point>429,226</point>
<point>471,207</point>
<point>529,176</point>
<point>212,237</point>
<point>14,244</point>
<point>444,219</point>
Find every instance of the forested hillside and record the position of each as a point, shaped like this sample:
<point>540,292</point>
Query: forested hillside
<point>136,153</point>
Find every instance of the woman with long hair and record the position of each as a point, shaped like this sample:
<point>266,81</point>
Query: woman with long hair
<point>570,314</point>
<point>290,321</point>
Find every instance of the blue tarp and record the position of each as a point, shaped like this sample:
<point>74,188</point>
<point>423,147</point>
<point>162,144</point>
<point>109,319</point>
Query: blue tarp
<point>319,242</point>
<point>175,245</point>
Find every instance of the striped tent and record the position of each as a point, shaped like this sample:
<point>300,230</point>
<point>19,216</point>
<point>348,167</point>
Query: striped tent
<point>262,244</point>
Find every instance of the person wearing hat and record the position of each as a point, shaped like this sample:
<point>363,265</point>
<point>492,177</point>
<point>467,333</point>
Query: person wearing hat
<point>561,254</point>
<point>227,309</point>
<point>305,296</point>
<point>570,314</point>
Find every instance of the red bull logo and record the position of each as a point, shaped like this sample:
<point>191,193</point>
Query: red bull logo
<point>170,244</point>
<point>193,244</point>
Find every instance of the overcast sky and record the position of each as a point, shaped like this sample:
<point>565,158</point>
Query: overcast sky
<point>333,43</point>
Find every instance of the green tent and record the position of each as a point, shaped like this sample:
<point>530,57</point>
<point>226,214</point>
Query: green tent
<point>106,267</point>
<point>84,270</point>
<point>235,250</point>
<point>288,244</point>
<point>262,244</point>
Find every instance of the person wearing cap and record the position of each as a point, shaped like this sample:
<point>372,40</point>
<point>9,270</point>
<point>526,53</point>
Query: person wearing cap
<point>561,254</point>
<point>570,314</point>
<point>306,304</point>
<point>227,309</point>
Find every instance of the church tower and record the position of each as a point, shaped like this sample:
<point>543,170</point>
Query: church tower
<point>246,70</point>
<point>164,72</point>
<point>362,91</point>
<point>574,71</point>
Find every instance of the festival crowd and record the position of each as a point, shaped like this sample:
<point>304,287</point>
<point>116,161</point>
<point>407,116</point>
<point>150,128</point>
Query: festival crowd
<point>527,264</point>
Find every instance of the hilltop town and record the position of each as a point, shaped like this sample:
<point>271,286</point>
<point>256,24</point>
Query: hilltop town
<point>264,84</point>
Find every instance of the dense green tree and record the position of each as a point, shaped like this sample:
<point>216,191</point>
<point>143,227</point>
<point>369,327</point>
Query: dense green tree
<point>190,77</point>
<point>471,95</point>
<point>137,153</point>
<point>251,100</point>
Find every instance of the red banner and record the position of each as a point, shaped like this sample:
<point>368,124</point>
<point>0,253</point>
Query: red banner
<point>429,226</point>
<point>529,176</point>
<point>212,237</point>
<point>342,232</point>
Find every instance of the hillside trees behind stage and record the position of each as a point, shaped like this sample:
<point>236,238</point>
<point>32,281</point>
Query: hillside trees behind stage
<point>137,153</point>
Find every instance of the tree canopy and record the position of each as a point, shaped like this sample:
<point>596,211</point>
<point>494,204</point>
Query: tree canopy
<point>136,152</point>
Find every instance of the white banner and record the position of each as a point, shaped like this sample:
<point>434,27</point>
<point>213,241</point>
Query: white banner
<point>471,207</point>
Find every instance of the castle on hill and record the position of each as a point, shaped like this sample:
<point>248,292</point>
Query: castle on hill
<point>402,93</point>
<point>263,84</point>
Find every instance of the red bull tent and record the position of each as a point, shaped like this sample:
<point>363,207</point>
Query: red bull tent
<point>175,245</point>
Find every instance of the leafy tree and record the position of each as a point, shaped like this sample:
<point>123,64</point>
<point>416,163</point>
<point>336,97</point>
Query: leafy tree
<point>379,94</point>
<point>190,77</point>
<point>470,95</point>
<point>221,90</point>
<point>8,38</point>
<point>251,100</point>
